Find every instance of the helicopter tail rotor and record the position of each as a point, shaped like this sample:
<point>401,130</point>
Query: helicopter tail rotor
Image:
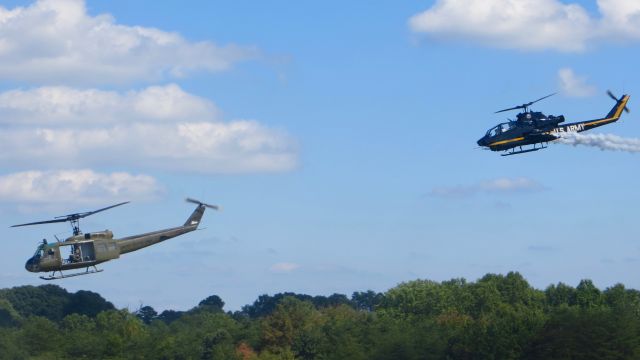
<point>194,201</point>
<point>626,109</point>
<point>196,216</point>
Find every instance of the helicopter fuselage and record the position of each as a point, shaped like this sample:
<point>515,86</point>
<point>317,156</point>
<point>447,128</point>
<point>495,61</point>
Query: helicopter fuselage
<point>89,249</point>
<point>529,128</point>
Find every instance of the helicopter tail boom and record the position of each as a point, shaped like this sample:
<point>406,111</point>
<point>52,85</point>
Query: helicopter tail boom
<point>136,242</point>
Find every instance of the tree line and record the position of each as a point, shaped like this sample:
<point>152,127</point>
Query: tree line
<point>495,317</point>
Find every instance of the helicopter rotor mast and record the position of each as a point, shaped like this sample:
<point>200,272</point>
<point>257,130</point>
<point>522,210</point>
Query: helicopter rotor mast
<point>525,107</point>
<point>73,219</point>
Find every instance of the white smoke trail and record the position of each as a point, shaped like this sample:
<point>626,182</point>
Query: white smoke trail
<point>601,141</point>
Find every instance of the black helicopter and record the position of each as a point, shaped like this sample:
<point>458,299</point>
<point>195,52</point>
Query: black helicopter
<point>533,128</point>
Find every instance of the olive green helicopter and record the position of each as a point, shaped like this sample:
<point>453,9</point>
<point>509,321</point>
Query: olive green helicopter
<point>86,250</point>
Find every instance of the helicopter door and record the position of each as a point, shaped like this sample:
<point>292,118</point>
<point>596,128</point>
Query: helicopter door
<point>79,252</point>
<point>88,252</point>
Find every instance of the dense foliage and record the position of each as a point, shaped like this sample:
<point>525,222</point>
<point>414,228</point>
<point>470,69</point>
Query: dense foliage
<point>496,317</point>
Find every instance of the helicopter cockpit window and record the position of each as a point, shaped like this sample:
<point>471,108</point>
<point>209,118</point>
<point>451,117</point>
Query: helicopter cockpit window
<point>39,251</point>
<point>499,129</point>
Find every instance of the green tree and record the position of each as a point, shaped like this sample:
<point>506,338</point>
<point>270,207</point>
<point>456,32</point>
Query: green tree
<point>82,341</point>
<point>201,334</point>
<point>8,315</point>
<point>561,294</point>
<point>366,301</point>
<point>122,333</point>
<point>169,316</point>
<point>586,333</point>
<point>46,300</point>
<point>87,303</point>
<point>40,336</point>
<point>294,325</point>
<point>212,303</point>
<point>11,346</point>
<point>146,314</point>
<point>344,332</point>
<point>588,295</point>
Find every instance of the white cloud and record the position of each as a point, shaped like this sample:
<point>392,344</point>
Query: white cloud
<point>59,105</point>
<point>510,185</point>
<point>494,186</point>
<point>160,127</point>
<point>620,19</point>
<point>76,186</point>
<point>574,85</point>
<point>284,267</point>
<point>529,24</point>
<point>57,41</point>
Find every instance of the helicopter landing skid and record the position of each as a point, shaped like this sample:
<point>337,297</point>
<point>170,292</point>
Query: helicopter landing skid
<point>524,151</point>
<point>62,276</point>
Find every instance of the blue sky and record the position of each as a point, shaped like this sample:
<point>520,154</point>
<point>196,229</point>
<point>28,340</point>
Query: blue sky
<point>339,138</point>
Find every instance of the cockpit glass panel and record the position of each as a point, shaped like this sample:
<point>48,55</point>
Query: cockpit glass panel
<point>39,251</point>
<point>499,129</point>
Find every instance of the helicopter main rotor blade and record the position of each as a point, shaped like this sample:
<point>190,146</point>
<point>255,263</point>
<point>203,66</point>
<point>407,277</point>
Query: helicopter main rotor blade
<point>525,106</point>
<point>71,217</point>
<point>85,214</point>
<point>81,215</point>
<point>509,109</point>
<point>194,201</point>
<point>41,222</point>
<point>542,98</point>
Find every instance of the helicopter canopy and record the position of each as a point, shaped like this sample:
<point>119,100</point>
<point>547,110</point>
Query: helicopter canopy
<point>499,129</point>
<point>39,251</point>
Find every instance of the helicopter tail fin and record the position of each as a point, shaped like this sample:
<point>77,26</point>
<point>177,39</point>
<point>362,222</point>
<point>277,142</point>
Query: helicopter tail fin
<point>621,104</point>
<point>196,216</point>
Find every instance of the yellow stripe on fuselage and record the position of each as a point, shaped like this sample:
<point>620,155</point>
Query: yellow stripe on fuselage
<point>506,141</point>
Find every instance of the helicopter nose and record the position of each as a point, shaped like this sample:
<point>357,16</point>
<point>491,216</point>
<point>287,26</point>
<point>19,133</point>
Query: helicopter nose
<point>482,141</point>
<point>31,265</point>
